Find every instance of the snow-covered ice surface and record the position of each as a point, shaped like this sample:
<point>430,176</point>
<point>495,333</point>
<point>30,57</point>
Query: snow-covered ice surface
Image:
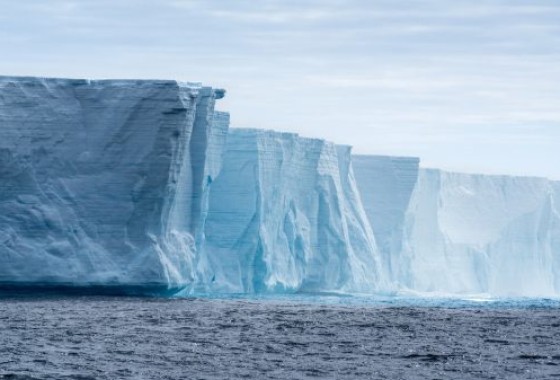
<point>105,182</point>
<point>285,216</point>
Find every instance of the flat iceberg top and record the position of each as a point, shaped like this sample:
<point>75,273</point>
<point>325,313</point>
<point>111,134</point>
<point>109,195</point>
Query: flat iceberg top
<point>465,175</point>
<point>270,134</point>
<point>381,158</point>
<point>108,83</point>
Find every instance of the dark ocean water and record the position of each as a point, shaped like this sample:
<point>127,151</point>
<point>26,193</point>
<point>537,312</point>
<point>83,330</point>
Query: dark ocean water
<point>139,338</point>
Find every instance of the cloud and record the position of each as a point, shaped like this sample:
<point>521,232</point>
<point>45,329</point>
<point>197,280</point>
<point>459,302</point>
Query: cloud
<point>410,76</point>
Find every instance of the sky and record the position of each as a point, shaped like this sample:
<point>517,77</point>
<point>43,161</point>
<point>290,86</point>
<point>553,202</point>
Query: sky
<point>471,86</point>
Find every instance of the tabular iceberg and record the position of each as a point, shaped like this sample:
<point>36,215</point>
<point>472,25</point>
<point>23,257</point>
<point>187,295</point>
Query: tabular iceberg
<point>137,186</point>
<point>462,234</point>
<point>496,235</point>
<point>386,184</point>
<point>285,216</point>
<point>105,182</point>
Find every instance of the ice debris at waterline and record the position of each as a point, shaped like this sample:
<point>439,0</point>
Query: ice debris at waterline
<point>138,186</point>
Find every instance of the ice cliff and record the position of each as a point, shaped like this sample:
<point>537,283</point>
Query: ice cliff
<point>285,216</point>
<point>386,184</point>
<point>469,234</point>
<point>105,182</point>
<point>462,234</point>
<point>137,186</point>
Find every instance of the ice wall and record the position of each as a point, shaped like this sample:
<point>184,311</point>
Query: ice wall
<point>125,184</point>
<point>104,182</point>
<point>471,234</point>
<point>386,184</point>
<point>285,216</point>
<point>448,233</point>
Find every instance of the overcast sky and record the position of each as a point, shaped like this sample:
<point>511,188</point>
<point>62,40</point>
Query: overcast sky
<point>466,85</point>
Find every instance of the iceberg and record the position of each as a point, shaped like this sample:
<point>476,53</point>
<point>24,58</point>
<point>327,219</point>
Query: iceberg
<point>453,234</point>
<point>105,183</point>
<point>386,184</point>
<point>139,186</point>
<point>285,216</point>
<point>482,234</point>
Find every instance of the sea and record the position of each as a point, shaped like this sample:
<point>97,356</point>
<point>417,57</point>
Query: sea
<point>277,337</point>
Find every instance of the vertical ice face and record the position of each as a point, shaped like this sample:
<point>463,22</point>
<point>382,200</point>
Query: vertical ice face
<point>285,215</point>
<point>469,233</point>
<point>386,184</point>
<point>451,233</point>
<point>127,184</point>
<point>103,182</point>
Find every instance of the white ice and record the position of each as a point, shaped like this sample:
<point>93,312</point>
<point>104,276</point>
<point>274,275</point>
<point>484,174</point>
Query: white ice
<point>103,182</point>
<point>285,216</point>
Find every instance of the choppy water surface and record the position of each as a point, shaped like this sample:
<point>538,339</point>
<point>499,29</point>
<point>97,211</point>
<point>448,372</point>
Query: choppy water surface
<point>135,338</point>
